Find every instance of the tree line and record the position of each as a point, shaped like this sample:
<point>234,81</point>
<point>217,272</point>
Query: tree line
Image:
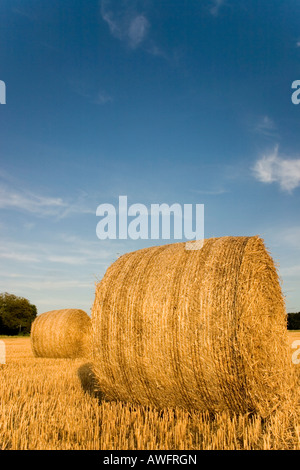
<point>293,321</point>
<point>16,314</point>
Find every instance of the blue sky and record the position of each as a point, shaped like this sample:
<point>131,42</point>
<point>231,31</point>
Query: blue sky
<point>173,101</point>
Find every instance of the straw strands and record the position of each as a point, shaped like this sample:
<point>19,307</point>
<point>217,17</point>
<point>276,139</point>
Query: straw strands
<point>199,329</point>
<point>61,334</point>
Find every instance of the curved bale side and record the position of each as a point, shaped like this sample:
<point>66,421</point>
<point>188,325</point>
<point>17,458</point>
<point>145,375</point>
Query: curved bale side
<point>61,334</point>
<point>199,329</point>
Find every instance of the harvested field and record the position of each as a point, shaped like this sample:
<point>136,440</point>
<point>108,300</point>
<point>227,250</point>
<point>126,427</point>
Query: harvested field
<point>46,404</point>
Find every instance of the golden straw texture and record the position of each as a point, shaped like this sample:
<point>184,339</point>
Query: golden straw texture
<point>61,334</point>
<point>200,329</point>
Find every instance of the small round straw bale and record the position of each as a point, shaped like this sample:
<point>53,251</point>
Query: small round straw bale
<point>61,334</point>
<point>202,329</point>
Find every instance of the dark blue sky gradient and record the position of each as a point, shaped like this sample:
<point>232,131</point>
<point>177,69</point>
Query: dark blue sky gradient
<point>180,111</point>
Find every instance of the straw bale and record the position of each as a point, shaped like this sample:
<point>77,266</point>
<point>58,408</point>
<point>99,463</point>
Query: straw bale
<point>199,329</point>
<point>61,334</point>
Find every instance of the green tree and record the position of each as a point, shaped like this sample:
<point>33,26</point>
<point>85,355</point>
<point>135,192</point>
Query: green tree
<point>294,321</point>
<point>16,314</point>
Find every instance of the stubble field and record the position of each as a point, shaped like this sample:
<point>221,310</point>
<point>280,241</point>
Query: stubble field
<point>52,404</point>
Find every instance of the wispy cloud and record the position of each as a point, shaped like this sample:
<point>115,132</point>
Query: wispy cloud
<point>12,252</point>
<point>72,260</point>
<point>29,202</point>
<point>68,250</point>
<point>125,24</point>
<point>76,207</point>
<point>102,98</point>
<point>216,6</point>
<point>272,168</point>
<point>210,192</point>
<point>39,205</point>
<point>25,13</point>
<point>291,271</point>
<point>93,94</point>
<point>18,256</point>
<point>131,26</point>
<point>138,30</point>
<point>265,126</point>
<point>55,273</point>
<point>288,237</point>
<point>51,284</point>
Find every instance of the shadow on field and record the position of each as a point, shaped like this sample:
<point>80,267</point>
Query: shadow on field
<point>89,382</point>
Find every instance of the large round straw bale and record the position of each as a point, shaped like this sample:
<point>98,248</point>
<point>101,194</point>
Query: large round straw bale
<point>61,334</point>
<point>201,329</point>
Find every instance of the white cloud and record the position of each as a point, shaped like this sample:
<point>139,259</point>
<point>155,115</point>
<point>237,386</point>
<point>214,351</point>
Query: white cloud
<point>126,25</point>
<point>138,30</point>
<point>77,207</point>
<point>274,169</point>
<point>289,237</point>
<point>49,284</point>
<point>210,192</point>
<point>290,271</point>
<point>102,98</point>
<point>265,126</point>
<point>39,205</point>
<point>19,256</point>
<point>58,272</point>
<point>29,202</point>
<point>13,251</point>
<point>72,260</point>
<point>216,5</point>
<point>62,251</point>
<point>94,94</point>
